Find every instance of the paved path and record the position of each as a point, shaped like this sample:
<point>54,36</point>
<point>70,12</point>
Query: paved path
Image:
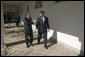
<point>16,46</point>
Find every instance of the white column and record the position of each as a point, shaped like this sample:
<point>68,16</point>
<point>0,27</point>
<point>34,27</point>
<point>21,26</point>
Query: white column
<point>3,46</point>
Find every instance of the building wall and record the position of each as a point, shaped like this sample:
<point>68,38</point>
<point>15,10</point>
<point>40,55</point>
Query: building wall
<point>23,10</point>
<point>3,45</point>
<point>10,8</point>
<point>64,16</point>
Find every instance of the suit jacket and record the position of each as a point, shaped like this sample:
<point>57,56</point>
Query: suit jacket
<point>27,25</point>
<point>42,26</point>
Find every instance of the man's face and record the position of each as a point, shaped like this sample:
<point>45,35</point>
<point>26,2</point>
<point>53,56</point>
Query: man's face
<point>41,14</point>
<point>28,14</point>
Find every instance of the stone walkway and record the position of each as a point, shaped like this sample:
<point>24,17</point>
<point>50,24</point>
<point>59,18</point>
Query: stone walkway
<point>39,50</point>
<point>16,46</point>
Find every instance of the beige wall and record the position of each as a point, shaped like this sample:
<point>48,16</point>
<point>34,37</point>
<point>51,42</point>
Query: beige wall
<point>2,24</point>
<point>10,8</point>
<point>64,16</point>
<point>3,46</point>
<point>23,10</point>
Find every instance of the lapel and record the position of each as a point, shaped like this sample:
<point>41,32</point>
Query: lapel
<point>29,18</point>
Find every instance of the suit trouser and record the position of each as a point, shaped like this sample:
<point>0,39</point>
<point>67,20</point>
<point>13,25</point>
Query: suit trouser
<point>44,36</point>
<point>27,40</point>
<point>17,23</point>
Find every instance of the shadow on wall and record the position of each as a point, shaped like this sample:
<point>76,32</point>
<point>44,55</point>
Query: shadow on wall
<point>81,52</point>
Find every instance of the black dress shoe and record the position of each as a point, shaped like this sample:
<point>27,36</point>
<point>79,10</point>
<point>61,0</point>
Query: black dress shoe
<point>28,46</point>
<point>46,47</point>
<point>31,45</point>
<point>38,43</point>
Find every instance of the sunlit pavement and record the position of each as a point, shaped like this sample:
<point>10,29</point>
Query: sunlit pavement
<point>20,49</point>
<point>39,50</point>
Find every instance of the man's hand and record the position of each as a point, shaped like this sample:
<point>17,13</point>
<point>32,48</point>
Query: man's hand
<point>36,30</point>
<point>22,23</point>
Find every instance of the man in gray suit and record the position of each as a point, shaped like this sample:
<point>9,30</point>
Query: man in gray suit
<point>42,25</point>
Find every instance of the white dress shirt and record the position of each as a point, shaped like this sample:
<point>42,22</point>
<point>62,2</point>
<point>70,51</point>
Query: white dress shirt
<point>43,19</point>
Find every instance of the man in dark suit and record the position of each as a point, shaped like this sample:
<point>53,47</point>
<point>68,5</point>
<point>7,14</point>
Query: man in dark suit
<point>18,21</point>
<point>42,24</point>
<point>28,29</point>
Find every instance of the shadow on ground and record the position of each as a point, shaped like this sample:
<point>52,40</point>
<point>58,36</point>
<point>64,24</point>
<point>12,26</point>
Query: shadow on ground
<point>23,41</point>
